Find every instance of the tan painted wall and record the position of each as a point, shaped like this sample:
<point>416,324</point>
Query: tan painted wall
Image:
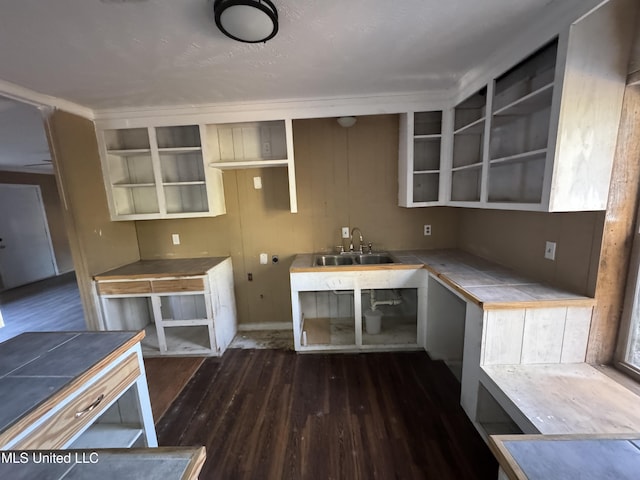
<point>517,240</point>
<point>53,210</point>
<point>97,243</point>
<point>346,177</point>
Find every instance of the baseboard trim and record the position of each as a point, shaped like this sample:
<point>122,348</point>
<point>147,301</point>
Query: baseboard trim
<point>252,327</point>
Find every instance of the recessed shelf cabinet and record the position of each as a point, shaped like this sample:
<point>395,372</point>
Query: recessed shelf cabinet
<point>253,145</point>
<point>421,151</point>
<point>159,172</point>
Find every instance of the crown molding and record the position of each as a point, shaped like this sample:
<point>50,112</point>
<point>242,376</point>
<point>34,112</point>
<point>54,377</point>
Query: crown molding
<point>41,100</point>
<point>277,109</point>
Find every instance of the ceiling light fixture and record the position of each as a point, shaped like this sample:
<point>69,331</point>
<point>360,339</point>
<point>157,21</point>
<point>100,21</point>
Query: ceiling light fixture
<point>249,21</point>
<point>347,122</point>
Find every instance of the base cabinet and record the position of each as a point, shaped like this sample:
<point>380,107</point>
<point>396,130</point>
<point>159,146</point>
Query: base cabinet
<point>181,315</point>
<point>358,311</point>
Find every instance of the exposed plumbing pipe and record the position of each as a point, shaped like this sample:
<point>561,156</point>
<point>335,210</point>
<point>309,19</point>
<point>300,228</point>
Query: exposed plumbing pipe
<point>374,303</point>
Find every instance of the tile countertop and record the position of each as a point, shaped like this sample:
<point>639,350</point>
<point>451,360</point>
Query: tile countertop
<point>487,284</point>
<point>174,267</point>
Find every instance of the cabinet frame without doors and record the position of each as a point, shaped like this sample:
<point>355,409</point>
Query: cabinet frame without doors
<point>537,136</point>
<point>176,171</point>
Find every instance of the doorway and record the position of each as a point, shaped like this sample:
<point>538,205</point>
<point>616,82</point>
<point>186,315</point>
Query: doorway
<point>26,252</point>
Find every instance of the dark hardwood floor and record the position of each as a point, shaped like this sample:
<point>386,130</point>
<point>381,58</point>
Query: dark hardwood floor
<point>273,414</point>
<point>49,305</point>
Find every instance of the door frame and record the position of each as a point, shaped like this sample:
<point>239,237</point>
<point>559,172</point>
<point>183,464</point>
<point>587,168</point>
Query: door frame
<point>44,217</point>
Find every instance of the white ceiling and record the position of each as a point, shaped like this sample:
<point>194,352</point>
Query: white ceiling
<point>112,54</point>
<point>107,54</point>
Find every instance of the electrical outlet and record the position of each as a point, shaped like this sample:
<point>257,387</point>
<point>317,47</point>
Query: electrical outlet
<point>427,230</point>
<point>550,251</point>
<point>345,232</point>
<point>266,148</point>
<point>264,259</point>
<point>275,259</point>
<point>175,238</point>
<point>257,183</point>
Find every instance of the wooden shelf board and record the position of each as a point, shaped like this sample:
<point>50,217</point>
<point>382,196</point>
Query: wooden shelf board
<point>528,104</point>
<point>132,185</point>
<point>179,149</point>
<point>183,184</point>
<point>129,152</point>
<point>431,136</point>
<point>467,167</point>
<point>250,164</point>
<point>473,128</point>
<point>524,156</point>
<point>108,435</point>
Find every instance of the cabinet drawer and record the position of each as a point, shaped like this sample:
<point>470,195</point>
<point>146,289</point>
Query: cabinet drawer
<point>178,285</point>
<point>58,429</point>
<point>120,288</point>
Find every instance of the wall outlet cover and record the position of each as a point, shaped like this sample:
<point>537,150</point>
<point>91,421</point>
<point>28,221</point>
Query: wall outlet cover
<point>264,258</point>
<point>257,183</point>
<point>345,232</point>
<point>550,251</point>
<point>175,238</point>
<point>427,230</point>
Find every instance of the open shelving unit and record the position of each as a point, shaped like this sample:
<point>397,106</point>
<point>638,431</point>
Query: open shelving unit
<point>159,172</point>
<point>520,124</point>
<point>264,144</point>
<point>421,145</point>
<point>468,144</point>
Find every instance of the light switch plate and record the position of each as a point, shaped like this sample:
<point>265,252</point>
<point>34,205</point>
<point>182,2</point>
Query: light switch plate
<point>264,259</point>
<point>175,238</point>
<point>550,251</point>
<point>257,183</point>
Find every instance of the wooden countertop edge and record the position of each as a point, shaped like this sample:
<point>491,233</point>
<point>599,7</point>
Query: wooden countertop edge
<point>149,276</point>
<point>357,268</point>
<point>195,464</point>
<point>68,390</point>
<point>505,459</point>
<point>512,468</point>
<point>193,272</point>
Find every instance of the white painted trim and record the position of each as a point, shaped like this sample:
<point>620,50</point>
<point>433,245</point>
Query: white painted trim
<point>274,110</point>
<point>253,327</point>
<point>37,99</point>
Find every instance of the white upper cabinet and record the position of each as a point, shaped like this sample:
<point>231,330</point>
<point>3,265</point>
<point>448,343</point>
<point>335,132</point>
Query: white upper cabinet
<point>159,172</point>
<point>541,135</point>
<point>421,144</point>
<point>253,145</point>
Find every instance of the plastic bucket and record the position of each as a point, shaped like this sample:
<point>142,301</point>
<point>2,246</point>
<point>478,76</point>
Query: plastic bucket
<point>372,321</point>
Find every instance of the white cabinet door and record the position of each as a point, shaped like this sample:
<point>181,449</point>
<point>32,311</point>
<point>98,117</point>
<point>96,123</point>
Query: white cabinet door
<point>26,254</point>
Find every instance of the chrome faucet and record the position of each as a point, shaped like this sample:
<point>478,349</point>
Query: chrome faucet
<point>360,239</point>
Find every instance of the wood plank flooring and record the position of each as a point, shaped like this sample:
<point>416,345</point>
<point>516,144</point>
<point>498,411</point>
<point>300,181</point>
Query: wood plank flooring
<point>166,377</point>
<point>274,414</point>
<point>49,305</point>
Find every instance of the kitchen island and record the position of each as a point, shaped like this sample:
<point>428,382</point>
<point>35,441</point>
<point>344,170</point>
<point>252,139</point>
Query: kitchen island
<point>61,390</point>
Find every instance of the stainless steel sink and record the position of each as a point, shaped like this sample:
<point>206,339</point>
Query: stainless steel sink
<point>347,259</point>
<point>374,259</point>
<point>333,260</point>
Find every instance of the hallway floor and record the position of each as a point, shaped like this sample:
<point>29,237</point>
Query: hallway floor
<point>49,305</point>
